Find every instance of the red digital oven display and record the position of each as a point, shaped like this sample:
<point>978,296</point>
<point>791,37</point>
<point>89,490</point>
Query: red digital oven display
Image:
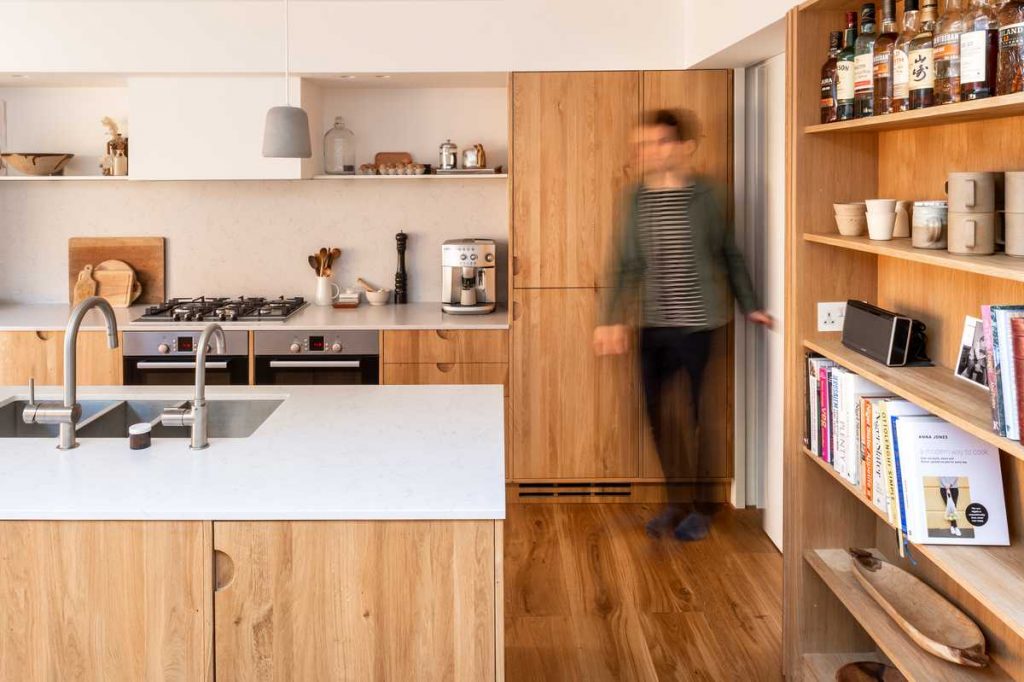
<point>185,344</point>
<point>316,343</point>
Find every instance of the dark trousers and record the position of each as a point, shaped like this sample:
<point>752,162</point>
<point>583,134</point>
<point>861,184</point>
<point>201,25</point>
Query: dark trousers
<point>665,351</point>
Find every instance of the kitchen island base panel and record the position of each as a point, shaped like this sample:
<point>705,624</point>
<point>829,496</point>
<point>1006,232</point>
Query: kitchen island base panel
<point>357,600</point>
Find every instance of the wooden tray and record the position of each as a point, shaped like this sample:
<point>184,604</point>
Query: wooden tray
<point>145,255</point>
<point>930,620</point>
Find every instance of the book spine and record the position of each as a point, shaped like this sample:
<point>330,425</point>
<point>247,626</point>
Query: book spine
<point>833,411</point>
<point>997,366</point>
<point>868,470</point>
<point>901,490</point>
<point>1009,382</point>
<point>813,414</point>
<point>990,365</point>
<point>824,401</point>
<point>1017,332</point>
<point>892,504</point>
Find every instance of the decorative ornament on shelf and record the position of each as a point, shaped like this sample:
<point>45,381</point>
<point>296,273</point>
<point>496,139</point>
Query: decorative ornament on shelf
<point>115,160</point>
<point>286,133</point>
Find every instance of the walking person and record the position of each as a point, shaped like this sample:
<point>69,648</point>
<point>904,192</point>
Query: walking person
<point>676,245</point>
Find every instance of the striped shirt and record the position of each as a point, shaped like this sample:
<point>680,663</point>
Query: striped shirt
<point>672,294</point>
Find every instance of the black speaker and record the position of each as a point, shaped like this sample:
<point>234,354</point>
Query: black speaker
<point>892,339</point>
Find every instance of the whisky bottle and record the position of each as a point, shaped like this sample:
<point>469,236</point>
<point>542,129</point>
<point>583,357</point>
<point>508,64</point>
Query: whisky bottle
<point>828,78</point>
<point>979,52</point>
<point>846,89</point>
<point>948,29</point>
<point>921,53</point>
<point>1010,77</point>
<point>901,57</point>
<point>883,52</point>
<point>863,62</point>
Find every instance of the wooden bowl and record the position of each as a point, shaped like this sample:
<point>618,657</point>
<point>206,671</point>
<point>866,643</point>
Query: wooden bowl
<point>37,164</point>
<point>869,671</point>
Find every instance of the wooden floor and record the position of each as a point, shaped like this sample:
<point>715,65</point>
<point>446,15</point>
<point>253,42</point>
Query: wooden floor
<point>588,596</point>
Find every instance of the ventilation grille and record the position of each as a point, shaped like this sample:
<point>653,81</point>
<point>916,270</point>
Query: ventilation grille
<point>577,490</point>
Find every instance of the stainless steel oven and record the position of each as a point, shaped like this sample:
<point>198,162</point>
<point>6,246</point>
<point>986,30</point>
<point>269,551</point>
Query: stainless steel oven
<point>168,359</point>
<point>315,357</point>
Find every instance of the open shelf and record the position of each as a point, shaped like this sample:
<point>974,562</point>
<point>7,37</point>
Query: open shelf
<point>468,176</point>
<point>978,110</point>
<point>935,388</point>
<point>992,575</point>
<point>835,568</point>
<point>823,667</point>
<point>998,265</point>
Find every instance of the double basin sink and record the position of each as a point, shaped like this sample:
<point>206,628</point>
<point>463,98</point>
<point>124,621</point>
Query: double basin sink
<point>111,418</point>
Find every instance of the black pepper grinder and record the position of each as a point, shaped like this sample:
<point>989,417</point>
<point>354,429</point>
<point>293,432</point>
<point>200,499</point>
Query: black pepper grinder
<point>401,278</point>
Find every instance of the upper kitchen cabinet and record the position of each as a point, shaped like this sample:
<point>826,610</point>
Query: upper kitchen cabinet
<point>206,127</point>
<point>574,153</point>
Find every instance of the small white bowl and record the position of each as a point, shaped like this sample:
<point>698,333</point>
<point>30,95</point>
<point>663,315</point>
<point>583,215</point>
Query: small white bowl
<point>379,297</point>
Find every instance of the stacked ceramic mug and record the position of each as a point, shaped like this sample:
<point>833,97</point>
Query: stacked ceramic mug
<point>1014,217</point>
<point>972,213</point>
<point>888,218</point>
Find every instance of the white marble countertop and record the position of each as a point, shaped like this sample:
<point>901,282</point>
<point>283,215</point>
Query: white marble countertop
<point>54,317</point>
<point>327,452</point>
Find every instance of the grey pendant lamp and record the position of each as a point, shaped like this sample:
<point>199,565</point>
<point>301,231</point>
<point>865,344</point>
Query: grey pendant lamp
<point>286,133</point>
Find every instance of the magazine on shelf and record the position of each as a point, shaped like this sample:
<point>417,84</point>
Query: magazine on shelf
<point>952,484</point>
<point>1002,341</point>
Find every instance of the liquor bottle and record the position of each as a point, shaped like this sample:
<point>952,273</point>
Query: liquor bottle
<point>948,29</point>
<point>901,56</point>
<point>845,88</point>
<point>979,52</point>
<point>828,78</point>
<point>884,46</point>
<point>921,53</point>
<point>863,62</point>
<point>1010,77</point>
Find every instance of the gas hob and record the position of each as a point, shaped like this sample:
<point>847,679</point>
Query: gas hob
<point>214,309</point>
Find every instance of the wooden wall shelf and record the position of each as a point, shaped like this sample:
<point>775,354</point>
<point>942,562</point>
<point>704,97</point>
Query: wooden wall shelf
<point>936,389</point>
<point>998,265</point>
<point>978,110</point>
<point>992,575</point>
<point>835,568</point>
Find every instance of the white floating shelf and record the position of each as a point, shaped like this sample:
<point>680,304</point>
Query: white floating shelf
<point>106,178</point>
<point>470,176</point>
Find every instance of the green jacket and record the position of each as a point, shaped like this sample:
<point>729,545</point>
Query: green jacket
<point>720,265</point>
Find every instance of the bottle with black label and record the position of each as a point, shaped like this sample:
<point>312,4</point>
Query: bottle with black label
<point>846,85</point>
<point>1010,78</point>
<point>922,59</point>
<point>863,63</point>
<point>901,56</point>
<point>885,45</point>
<point>828,79</point>
<point>979,51</point>
<point>948,29</point>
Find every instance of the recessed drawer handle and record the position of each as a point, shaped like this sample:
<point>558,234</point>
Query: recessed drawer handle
<point>223,570</point>
<point>43,336</point>
<point>445,367</point>
<point>441,334</point>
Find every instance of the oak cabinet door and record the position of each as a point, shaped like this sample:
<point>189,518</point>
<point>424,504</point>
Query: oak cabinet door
<point>573,154</point>
<point>574,415</point>
<point>40,355</point>
<point>354,601</point>
<point>105,600</point>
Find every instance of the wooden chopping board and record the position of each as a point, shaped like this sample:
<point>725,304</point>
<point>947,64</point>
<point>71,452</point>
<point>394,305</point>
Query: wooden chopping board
<point>144,254</point>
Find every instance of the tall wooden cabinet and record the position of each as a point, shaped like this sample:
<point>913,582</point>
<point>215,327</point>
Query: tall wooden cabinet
<point>577,417</point>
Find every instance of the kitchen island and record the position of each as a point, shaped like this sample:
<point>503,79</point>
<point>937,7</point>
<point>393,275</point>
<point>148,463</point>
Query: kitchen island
<point>356,534</point>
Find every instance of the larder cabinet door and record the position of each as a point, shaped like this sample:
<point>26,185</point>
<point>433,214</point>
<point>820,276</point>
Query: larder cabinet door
<point>573,154</point>
<point>574,415</point>
<point>40,355</point>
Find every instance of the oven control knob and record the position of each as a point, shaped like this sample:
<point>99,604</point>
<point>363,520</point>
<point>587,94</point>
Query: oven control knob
<point>295,348</point>
<point>335,347</point>
<point>489,258</point>
<point>163,349</point>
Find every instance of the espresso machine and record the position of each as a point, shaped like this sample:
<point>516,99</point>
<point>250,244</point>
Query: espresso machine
<point>469,276</point>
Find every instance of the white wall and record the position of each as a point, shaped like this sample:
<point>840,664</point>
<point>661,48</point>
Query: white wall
<point>330,36</point>
<point>721,33</point>
<point>248,237</point>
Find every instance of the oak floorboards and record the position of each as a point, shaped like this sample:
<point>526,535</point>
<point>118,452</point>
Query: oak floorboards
<point>590,597</point>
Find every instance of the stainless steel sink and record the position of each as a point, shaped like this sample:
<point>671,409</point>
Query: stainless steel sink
<point>111,419</point>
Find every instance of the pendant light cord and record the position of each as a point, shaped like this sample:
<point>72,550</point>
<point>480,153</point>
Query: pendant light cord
<point>287,94</point>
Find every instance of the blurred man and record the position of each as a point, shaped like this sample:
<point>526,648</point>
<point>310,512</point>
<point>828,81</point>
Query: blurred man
<point>676,245</point>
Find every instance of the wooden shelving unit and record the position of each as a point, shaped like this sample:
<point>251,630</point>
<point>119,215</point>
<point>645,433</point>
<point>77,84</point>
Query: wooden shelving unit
<point>998,265</point>
<point>908,156</point>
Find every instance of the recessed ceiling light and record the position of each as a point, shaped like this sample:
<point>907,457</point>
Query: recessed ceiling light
<point>347,76</point>
<point>383,75</point>
<point>19,75</point>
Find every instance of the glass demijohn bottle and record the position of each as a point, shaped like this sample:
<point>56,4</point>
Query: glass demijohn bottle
<point>339,149</point>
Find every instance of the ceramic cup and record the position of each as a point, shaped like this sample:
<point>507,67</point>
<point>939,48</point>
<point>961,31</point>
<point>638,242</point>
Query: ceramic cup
<point>903,211</point>
<point>851,225</point>
<point>881,225</point>
<point>1014,226</point>
<point>1014,192</point>
<point>326,291</point>
<point>972,234</point>
<point>971,192</point>
<point>881,205</point>
<point>854,208</point>
<point>928,226</point>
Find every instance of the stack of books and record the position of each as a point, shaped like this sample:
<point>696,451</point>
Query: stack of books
<point>933,481</point>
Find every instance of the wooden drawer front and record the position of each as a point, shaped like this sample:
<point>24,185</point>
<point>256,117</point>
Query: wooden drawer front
<point>440,345</point>
<point>450,373</point>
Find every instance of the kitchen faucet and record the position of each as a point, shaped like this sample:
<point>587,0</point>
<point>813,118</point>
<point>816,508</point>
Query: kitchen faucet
<point>68,413</point>
<point>196,415</point>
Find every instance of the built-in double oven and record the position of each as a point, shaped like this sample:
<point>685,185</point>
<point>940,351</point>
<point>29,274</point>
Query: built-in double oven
<point>280,357</point>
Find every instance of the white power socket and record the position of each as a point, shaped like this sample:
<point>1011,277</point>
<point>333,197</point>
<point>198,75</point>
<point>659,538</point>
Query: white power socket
<point>831,316</point>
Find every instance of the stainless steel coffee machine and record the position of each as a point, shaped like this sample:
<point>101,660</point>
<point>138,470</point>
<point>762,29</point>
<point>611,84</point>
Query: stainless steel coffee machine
<point>469,276</point>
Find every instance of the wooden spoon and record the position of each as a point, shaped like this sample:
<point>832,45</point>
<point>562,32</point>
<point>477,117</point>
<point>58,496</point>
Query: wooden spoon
<point>312,264</point>
<point>335,254</point>
<point>364,284</point>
